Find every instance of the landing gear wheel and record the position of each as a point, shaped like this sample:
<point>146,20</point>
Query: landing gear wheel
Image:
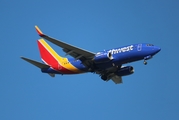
<point>145,62</point>
<point>104,77</point>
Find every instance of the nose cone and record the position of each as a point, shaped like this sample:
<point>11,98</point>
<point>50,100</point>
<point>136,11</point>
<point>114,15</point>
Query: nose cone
<point>157,49</point>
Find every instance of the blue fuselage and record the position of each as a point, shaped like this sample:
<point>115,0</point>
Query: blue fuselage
<point>122,55</point>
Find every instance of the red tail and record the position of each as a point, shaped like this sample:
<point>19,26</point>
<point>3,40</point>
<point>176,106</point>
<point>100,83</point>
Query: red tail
<point>48,55</point>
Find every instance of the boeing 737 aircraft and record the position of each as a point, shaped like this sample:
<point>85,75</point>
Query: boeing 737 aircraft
<point>108,63</point>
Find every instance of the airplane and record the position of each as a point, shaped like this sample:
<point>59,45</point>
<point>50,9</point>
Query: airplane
<point>108,64</point>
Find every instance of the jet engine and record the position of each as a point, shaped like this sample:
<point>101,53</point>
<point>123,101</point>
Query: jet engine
<point>103,57</point>
<point>125,71</point>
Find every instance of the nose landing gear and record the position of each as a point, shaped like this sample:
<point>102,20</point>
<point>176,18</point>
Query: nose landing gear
<point>147,58</point>
<point>145,62</point>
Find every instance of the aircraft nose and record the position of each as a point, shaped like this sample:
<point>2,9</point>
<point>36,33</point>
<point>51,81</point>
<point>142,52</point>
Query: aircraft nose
<point>157,49</point>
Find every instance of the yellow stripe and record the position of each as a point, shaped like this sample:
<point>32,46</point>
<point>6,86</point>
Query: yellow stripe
<point>50,49</point>
<point>62,61</point>
<point>71,67</point>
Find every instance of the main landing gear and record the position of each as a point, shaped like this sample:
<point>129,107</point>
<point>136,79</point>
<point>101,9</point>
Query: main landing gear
<point>104,77</point>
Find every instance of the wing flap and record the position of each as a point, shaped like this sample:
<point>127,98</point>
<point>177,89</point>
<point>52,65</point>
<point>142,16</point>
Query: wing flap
<point>117,79</point>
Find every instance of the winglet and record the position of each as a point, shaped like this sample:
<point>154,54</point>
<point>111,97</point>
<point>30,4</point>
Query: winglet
<point>39,31</point>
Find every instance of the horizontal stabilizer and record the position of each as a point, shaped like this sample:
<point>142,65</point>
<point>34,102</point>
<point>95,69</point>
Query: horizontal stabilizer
<point>37,64</point>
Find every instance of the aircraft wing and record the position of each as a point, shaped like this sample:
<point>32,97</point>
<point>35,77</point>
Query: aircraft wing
<point>74,51</point>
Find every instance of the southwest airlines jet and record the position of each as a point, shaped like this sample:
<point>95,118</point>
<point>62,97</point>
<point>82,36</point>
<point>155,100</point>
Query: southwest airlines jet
<point>108,64</point>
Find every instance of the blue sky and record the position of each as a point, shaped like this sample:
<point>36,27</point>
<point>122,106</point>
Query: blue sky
<point>150,93</point>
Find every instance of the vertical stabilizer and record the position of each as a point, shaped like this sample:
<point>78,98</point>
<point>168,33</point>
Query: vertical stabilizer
<point>48,55</point>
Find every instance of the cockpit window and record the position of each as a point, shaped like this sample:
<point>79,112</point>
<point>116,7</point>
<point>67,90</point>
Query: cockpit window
<point>150,45</point>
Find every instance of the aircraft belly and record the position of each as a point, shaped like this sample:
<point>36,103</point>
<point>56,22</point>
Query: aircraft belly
<point>77,64</point>
<point>108,64</point>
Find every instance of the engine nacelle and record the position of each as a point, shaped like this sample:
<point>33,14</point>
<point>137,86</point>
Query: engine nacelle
<point>103,57</point>
<point>125,71</point>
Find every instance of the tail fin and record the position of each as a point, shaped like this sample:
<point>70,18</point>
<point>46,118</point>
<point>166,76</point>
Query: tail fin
<point>48,55</point>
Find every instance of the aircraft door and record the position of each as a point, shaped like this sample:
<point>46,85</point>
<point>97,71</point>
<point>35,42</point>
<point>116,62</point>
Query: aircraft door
<point>139,47</point>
